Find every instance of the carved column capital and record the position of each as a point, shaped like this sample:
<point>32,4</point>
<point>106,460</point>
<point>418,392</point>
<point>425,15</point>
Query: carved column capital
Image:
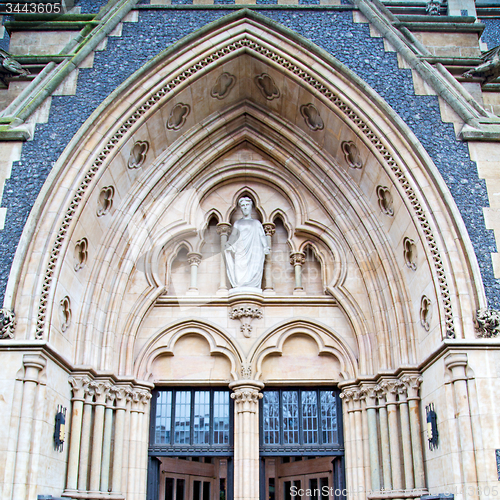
<point>457,364</point>
<point>390,389</point>
<point>194,258</point>
<point>269,228</point>
<point>246,395</point>
<point>297,259</point>
<point>101,391</point>
<point>33,364</point>
<point>78,387</point>
<point>121,396</point>
<point>370,395</point>
<point>223,228</point>
<point>412,383</point>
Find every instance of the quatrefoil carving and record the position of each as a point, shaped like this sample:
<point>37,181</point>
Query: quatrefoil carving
<point>267,86</point>
<point>351,154</point>
<point>385,200</point>
<point>138,154</point>
<point>178,116</point>
<point>425,313</point>
<point>81,253</point>
<point>65,313</point>
<point>223,86</point>
<point>410,253</point>
<point>311,116</point>
<point>105,200</point>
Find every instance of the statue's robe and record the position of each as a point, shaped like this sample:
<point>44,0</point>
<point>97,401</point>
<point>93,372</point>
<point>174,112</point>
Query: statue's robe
<point>246,264</point>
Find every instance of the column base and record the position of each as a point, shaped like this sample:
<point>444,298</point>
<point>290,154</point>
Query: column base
<point>92,495</point>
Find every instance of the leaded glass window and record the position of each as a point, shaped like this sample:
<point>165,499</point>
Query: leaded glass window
<point>188,417</point>
<point>300,418</point>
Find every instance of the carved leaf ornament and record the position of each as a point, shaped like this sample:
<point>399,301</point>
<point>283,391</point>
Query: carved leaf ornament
<point>138,154</point>
<point>7,324</point>
<point>311,116</point>
<point>105,200</point>
<point>266,85</point>
<point>178,116</point>
<point>351,153</point>
<point>223,86</point>
<point>488,323</point>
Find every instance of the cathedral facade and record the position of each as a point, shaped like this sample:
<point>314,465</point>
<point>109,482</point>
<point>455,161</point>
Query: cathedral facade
<point>360,357</point>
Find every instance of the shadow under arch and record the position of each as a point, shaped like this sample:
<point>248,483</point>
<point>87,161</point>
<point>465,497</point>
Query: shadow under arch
<point>271,343</point>
<point>219,343</point>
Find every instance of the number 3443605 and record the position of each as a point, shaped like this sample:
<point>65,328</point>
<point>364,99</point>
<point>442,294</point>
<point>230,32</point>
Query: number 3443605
<point>30,8</point>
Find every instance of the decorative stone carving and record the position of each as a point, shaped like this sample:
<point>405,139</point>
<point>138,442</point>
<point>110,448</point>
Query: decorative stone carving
<point>311,116</point>
<point>65,313</point>
<point>351,154</point>
<point>410,253</point>
<point>246,395</point>
<point>385,200</point>
<point>433,7</point>
<point>245,314</point>
<point>79,386</point>
<point>488,323</point>
<point>246,371</point>
<point>7,324</point>
<point>178,116</point>
<point>489,69</point>
<point>412,383</point>
<point>246,250</point>
<point>297,259</point>
<point>138,154</point>
<point>10,68</point>
<point>266,85</point>
<point>105,200</point>
<point>425,312</point>
<point>269,228</point>
<point>81,253</point>
<point>223,86</point>
<point>194,259</point>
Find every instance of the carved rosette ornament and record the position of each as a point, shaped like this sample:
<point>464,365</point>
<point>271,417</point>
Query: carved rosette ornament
<point>245,314</point>
<point>488,323</point>
<point>7,324</point>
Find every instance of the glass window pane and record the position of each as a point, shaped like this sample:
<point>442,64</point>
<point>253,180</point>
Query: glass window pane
<point>290,402</point>
<point>221,417</point>
<point>182,424</point>
<point>201,417</point>
<point>271,417</point>
<point>329,417</point>
<point>163,417</point>
<point>310,417</point>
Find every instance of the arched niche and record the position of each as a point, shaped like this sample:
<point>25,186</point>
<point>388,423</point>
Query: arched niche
<point>327,164</point>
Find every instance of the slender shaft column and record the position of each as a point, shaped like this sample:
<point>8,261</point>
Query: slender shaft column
<point>126,442</point>
<point>384,440</point>
<point>457,364</point>
<point>371,412</point>
<point>133,447</point>
<point>223,230</point>
<point>101,393</point>
<point>78,384</point>
<point>297,260</point>
<point>106,446</point>
<point>33,365</point>
<point>391,387</point>
<point>406,437</point>
<point>142,464</point>
<point>121,404</point>
<point>269,230</point>
<point>194,260</point>
<point>246,396</point>
<point>413,384</point>
<point>348,396</point>
<point>358,441</point>
<point>85,440</point>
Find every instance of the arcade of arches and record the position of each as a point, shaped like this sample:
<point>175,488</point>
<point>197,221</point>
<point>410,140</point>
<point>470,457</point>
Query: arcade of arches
<point>179,387</point>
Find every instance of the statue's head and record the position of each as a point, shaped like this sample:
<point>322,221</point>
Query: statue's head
<point>245,204</point>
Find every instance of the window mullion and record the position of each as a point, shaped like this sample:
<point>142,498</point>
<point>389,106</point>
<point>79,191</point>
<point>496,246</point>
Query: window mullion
<point>172,423</point>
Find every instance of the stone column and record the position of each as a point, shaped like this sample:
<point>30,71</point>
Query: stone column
<point>142,464</point>
<point>356,419</point>
<point>413,384</point>
<point>390,387</point>
<point>353,484</point>
<point>106,446</point>
<point>85,439</point>
<point>269,230</point>
<point>246,396</point>
<point>384,439</point>
<point>297,260</point>
<point>194,260</point>
<point>33,365</point>
<point>223,230</point>
<point>457,364</point>
<point>371,411</point>
<point>121,396</point>
<point>406,437</point>
<point>135,398</point>
<point>79,385</point>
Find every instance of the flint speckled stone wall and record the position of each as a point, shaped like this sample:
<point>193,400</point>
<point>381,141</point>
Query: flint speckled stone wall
<point>333,31</point>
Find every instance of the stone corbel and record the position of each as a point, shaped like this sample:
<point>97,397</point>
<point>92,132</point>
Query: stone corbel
<point>245,313</point>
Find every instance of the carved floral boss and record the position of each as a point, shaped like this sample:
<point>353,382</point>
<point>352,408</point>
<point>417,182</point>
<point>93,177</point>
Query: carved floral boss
<point>245,314</point>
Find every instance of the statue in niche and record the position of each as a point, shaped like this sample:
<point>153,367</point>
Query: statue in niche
<point>246,251</point>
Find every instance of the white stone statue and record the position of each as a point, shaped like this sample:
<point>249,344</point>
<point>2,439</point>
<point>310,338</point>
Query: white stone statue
<point>246,251</point>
